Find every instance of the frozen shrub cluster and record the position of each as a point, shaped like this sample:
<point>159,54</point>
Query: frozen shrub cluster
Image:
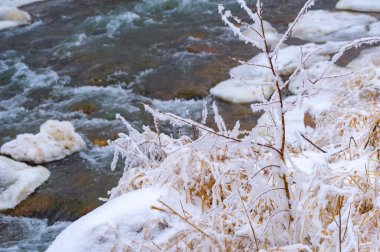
<point>304,179</point>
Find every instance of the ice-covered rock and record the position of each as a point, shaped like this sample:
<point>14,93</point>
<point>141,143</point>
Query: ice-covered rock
<point>55,141</point>
<point>114,225</point>
<point>18,180</point>
<point>359,5</point>
<point>323,25</point>
<point>12,16</point>
<point>17,3</point>
<point>367,57</point>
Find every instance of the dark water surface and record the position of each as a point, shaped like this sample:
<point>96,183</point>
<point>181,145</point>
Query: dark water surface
<point>87,60</point>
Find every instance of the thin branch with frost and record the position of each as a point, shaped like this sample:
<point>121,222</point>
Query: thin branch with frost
<point>304,9</point>
<point>355,44</point>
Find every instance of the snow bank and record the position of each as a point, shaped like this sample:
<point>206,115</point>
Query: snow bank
<point>55,141</point>
<point>323,25</point>
<point>18,180</point>
<point>114,225</point>
<point>359,5</point>
<point>11,17</point>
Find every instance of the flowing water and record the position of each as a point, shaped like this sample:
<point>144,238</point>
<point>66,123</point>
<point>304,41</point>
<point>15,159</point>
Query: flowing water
<point>86,61</point>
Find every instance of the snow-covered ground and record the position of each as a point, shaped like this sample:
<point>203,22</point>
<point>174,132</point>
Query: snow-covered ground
<point>55,141</point>
<point>18,180</point>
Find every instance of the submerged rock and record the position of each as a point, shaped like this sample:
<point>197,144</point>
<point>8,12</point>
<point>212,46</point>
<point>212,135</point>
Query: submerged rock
<point>362,5</point>
<point>12,16</point>
<point>18,180</point>
<point>323,25</point>
<point>55,141</point>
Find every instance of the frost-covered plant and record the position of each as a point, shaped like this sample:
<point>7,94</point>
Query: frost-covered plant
<point>250,190</point>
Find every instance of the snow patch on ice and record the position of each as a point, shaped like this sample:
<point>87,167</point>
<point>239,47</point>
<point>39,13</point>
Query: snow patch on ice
<point>253,79</point>
<point>12,16</point>
<point>17,3</point>
<point>18,180</point>
<point>359,5</point>
<point>323,25</point>
<point>55,141</point>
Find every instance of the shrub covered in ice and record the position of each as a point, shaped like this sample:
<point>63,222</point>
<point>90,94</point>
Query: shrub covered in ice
<point>55,141</point>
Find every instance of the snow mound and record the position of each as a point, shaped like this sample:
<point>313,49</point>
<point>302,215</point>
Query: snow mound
<point>12,16</point>
<point>359,5</point>
<point>18,180</point>
<point>112,226</point>
<point>323,25</point>
<point>55,141</point>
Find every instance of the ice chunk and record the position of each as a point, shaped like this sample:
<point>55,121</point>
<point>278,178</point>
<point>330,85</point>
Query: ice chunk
<point>12,16</point>
<point>18,180</point>
<point>55,141</point>
<point>359,5</point>
<point>17,3</point>
<point>116,223</point>
<point>323,25</point>
<point>252,81</point>
<point>241,91</point>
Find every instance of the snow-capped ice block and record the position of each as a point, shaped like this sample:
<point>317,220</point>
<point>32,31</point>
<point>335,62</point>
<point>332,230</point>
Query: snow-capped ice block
<point>55,141</point>
<point>242,91</point>
<point>359,5</point>
<point>18,180</point>
<point>17,3</point>
<point>253,80</point>
<point>112,226</point>
<point>12,16</point>
<point>323,25</point>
